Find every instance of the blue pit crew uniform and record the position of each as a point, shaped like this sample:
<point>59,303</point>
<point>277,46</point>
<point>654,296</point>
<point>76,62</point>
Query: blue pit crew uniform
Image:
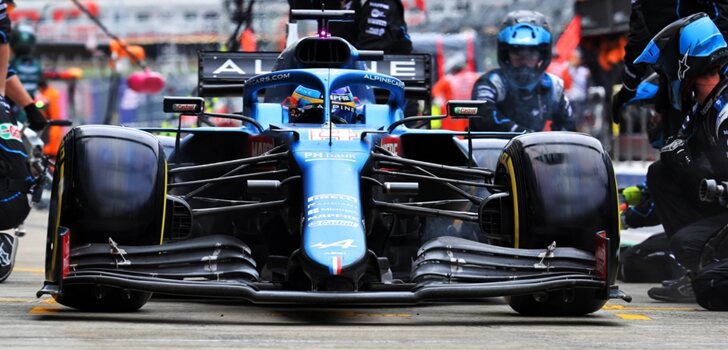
<point>15,179</point>
<point>516,110</point>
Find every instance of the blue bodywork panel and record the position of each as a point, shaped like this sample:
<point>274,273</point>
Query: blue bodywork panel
<point>331,158</point>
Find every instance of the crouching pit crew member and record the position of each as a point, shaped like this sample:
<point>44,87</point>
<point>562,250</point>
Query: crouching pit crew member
<point>691,55</point>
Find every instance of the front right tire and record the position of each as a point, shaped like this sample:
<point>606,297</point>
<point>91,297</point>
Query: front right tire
<point>563,189</point>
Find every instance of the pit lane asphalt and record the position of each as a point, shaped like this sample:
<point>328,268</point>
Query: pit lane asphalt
<point>27,322</point>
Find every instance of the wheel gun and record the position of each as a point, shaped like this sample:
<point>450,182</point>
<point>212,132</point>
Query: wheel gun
<point>711,190</point>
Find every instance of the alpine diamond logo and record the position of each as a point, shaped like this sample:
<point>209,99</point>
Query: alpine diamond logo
<point>345,244</point>
<point>683,66</point>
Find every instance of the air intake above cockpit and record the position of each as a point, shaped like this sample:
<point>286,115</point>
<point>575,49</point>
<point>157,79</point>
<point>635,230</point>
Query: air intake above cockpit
<point>323,52</point>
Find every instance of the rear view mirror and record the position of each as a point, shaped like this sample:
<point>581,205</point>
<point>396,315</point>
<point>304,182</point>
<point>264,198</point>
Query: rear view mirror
<point>463,109</point>
<point>186,105</point>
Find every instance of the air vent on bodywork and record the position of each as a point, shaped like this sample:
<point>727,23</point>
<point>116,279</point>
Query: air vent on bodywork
<point>491,214</point>
<point>179,222</point>
<point>323,52</point>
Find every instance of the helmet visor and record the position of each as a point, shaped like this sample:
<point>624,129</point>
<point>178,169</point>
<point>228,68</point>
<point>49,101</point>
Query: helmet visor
<point>524,56</point>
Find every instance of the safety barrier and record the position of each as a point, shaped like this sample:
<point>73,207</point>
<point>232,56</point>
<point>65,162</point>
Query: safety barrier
<point>631,143</point>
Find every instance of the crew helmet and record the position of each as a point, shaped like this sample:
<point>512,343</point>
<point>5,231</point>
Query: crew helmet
<point>684,50</point>
<point>526,32</point>
<point>22,40</point>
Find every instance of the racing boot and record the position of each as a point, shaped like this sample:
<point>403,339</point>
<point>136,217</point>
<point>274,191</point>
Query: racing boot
<point>8,248</point>
<point>679,291</point>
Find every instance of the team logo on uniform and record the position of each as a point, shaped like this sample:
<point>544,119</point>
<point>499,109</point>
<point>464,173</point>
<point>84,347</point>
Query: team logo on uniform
<point>683,67</point>
<point>10,131</point>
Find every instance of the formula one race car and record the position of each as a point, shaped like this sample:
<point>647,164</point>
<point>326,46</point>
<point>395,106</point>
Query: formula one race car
<point>328,197</point>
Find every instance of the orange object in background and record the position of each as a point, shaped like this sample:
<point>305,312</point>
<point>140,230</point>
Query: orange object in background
<point>71,12</point>
<point>73,73</point>
<point>52,98</point>
<point>454,124</point>
<point>248,42</point>
<point>120,51</point>
<point>564,49</point>
<point>137,52</point>
<point>611,52</point>
<point>116,47</point>
<point>547,125</point>
<point>456,86</point>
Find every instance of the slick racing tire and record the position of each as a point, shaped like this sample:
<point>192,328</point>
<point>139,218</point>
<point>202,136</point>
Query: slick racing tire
<point>562,189</point>
<point>109,185</point>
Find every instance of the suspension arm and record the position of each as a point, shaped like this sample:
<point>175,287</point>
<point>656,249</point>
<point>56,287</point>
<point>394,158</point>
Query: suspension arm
<point>251,160</point>
<point>407,209</point>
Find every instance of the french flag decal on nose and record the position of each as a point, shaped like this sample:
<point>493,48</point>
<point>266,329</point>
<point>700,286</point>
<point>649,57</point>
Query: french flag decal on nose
<point>336,265</point>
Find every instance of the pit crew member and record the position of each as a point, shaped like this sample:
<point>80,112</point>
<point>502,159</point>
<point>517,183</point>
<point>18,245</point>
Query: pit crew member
<point>521,96</point>
<point>690,55</point>
<point>647,18</point>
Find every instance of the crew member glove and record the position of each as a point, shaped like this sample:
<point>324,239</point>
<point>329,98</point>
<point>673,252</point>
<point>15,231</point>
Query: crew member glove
<point>618,101</point>
<point>676,154</point>
<point>35,118</point>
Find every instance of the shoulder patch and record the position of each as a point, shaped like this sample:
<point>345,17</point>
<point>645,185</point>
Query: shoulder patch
<point>9,131</point>
<point>719,103</point>
<point>496,79</point>
<point>554,83</point>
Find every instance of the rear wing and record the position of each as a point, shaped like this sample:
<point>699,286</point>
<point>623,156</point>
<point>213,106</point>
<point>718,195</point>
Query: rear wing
<point>223,74</point>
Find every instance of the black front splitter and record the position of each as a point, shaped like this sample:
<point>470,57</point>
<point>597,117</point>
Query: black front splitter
<point>418,293</point>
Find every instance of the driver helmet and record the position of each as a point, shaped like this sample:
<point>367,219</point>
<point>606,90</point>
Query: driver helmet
<point>684,50</point>
<point>343,105</point>
<point>306,105</point>
<point>524,48</point>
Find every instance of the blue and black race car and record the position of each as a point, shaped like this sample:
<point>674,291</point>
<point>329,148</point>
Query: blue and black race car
<point>328,195</point>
